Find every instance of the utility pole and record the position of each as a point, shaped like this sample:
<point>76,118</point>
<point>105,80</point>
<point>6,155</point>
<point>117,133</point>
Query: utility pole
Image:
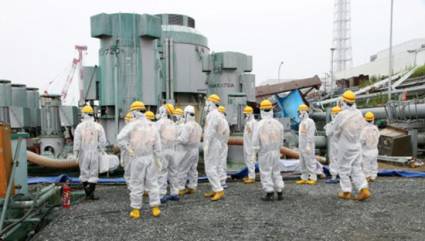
<point>278,71</point>
<point>390,62</point>
<point>331,91</point>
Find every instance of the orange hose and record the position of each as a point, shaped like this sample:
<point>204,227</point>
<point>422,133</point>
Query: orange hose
<point>286,152</point>
<point>51,163</point>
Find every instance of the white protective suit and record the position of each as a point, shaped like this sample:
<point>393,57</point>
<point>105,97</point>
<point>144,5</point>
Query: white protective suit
<point>333,148</point>
<point>308,161</point>
<point>189,138</point>
<point>224,151</point>
<point>169,171</point>
<point>348,124</point>
<point>140,138</point>
<point>250,125</point>
<point>213,134</point>
<point>89,144</point>
<point>267,141</point>
<point>369,139</point>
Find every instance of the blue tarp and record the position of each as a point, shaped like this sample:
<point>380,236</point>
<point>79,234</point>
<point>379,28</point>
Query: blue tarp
<point>289,107</point>
<point>238,175</point>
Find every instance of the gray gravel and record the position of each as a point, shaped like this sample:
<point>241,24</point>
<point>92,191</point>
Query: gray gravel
<point>395,212</point>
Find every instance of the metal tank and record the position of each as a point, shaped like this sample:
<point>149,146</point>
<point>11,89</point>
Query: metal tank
<point>33,103</point>
<point>5,100</point>
<point>19,112</point>
<point>228,76</point>
<point>129,64</point>
<point>183,48</point>
<point>51,138</point>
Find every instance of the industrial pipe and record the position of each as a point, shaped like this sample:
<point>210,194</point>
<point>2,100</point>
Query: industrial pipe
<point>50,162</point>
<point>37,202</point>
<point>237,141</point>
<point>379,112</point>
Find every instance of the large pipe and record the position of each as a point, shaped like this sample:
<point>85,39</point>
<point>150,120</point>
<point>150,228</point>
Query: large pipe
<point>50,162</point>
<point>380,113</point>
<point>289,153</point>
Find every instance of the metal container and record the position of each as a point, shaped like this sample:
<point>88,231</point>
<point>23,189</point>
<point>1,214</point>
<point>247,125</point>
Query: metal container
<point>50,121</point>
<point>5,100</point>
<point>226,77</point>
<point>129,64</point>
<point>183,48</point>
<point>33,103</point>
<point>19,95</point>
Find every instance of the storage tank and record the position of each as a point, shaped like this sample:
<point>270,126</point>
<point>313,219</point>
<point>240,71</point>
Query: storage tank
<point>228,76</point>
<point>19,95</point>
<point>183,48</point>
<point>33,103</point>
<point>129,64</point>
<point>5,100</point>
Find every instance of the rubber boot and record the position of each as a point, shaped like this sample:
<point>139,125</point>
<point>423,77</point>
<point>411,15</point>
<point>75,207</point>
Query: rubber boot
<point>249,181</point>
<point>301,182</point>
<point>209,194</point>
<point>92,188</point>
<point>280,196</point>
<point>135,213</point>
<point>217,196</point>
<point>85,187</point>
<point>345,195</point>
<point>156,211</point>
<point>363,194</point>
<point>268,197</point>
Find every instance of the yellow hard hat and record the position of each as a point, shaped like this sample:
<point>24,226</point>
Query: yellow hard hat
<point>336,109</point>
<point>349,96</point>
<point>266,105</point>
<point>214,98</point>
<point>178,112</point>
<point>150,115</point>
<point>87,109</point>
<point>248,110</point>
<point>369,116</point>
<point>221,109</point>
<point>302,107</point>
<point>137,105</point>
<point>128,117</point>
<point>169,108</point>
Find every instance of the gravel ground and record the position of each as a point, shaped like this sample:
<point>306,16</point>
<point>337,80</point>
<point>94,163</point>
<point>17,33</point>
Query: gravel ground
<point>396,211</point>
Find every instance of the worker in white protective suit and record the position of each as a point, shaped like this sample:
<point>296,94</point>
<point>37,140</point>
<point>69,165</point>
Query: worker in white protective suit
<point>348,125</point>
<point>169,171</point>
<point>267,141</point>
<point>89,144</point>
<point>225,148</point>
<point>188,140</point>
<point>141,140</point>
<point>125,159</point>
<point>250,124</point>
<point>333,146</point>
<point>213,136</point>
<point>369,139</point>
<point>306,147</point>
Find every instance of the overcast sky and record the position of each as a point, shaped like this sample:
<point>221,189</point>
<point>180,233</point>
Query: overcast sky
<point>37,38</point>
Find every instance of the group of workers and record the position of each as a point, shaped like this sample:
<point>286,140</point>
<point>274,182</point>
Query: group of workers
<point>160,157</point>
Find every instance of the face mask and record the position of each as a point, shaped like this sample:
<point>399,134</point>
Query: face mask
<point>266,114</point>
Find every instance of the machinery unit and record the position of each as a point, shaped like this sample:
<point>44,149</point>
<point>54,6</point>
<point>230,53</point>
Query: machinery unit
<point>5,100</point>
<point>129,64</point>
<point>182,48</point>
<point>52,139</point>
<point>33,104</point>
<point>228,76</point>
<point>19,113</point>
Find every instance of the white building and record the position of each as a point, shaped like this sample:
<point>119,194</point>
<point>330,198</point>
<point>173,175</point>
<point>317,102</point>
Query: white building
<point>404,57</point>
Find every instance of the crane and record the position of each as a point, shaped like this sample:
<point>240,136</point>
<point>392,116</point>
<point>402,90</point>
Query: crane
<point>76,64</point>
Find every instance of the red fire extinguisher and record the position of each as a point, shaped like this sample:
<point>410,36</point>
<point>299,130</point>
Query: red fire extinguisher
<point>66,196</point>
